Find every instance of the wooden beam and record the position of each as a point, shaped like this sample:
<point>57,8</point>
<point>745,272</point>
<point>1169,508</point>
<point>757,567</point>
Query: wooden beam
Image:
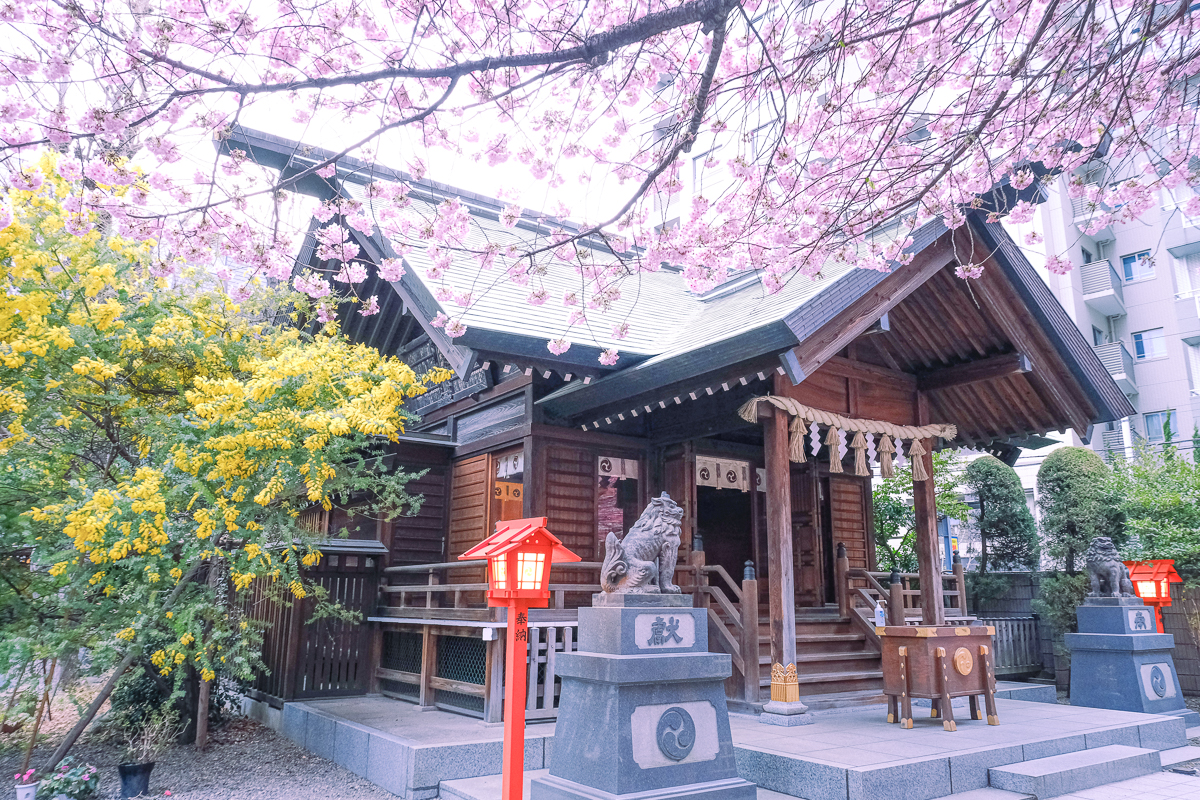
<point>1027,336</point>
<point>780,578</point>
<point>804,359</point>
<point>983,369</point>
<point>929,565</point>
<point>861,370</point>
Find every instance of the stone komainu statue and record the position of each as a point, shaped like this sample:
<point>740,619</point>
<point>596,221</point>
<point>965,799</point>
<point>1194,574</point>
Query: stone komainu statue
<point>1110,578</point>
<point>644,561</point>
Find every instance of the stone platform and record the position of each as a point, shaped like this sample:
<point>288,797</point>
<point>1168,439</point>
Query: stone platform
<point>853,754</point>
<point>857,755</point>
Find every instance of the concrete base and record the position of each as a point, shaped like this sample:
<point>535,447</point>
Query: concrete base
<point>787,715</point>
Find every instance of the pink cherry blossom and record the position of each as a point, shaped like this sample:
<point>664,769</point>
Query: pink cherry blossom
<point>558,346</point>
<point>609,357</point>
<point>391,269</point>
<point>771,147</point>
<point>370,307</point>
<point>1059,265</point>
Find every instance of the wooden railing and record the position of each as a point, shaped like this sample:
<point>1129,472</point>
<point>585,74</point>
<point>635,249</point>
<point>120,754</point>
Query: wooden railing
<point>1017,645</point>
<point>435,590</point>
<point>431,608</point>
<point>860,590</point>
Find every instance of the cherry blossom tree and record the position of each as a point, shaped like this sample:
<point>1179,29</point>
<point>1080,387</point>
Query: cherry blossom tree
<point>839,128</point>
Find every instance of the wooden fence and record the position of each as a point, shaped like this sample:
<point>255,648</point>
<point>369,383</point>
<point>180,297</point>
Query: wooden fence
<point>325,658</point>
<point>1185,603</point>
<point>1018,652</point>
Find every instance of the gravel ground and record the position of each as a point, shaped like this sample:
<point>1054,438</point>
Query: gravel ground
<point>243,761</point>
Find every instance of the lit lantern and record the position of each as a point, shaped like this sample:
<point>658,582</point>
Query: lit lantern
<point>519,555</point>
<point>1152,582</point>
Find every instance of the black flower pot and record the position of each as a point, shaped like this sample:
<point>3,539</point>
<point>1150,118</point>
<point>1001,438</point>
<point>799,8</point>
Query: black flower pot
<point>135,779</point>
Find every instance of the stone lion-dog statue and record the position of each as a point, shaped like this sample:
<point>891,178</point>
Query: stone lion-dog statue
<point>1110,578</point>
<point>644,561</point>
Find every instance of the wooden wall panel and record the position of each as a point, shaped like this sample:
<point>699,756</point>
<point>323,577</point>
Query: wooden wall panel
<point>421,538</point>
<point>470,496</point>
<point>819,390</point>
<point>848,511</point>
<point>891,402</point>
<point>570,487</point>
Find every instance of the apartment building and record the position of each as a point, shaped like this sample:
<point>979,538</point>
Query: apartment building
<point>1135,294</point>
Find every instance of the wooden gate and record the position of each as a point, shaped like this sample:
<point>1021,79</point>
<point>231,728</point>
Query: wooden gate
<point>335,655</point>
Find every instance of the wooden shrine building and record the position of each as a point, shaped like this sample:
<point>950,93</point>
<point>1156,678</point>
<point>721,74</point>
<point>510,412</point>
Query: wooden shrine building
<point>778,536</point>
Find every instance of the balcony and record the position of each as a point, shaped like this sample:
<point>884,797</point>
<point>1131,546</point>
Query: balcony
<point>1103,289</point>
<point>1114,442</point>
<point>1119,363</point>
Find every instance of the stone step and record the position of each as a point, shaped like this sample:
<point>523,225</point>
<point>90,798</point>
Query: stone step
<point>1192,733</point>
<point>1179,754</point>
<point>1072,772</point>
<point>988,793</point>
<point>487,787</point>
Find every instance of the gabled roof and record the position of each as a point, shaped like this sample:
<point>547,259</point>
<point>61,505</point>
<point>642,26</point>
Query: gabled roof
<point>512,534</point>
<point>675,335</point>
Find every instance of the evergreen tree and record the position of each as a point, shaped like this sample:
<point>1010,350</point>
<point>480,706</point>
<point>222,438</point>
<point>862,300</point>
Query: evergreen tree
<point>1073,494</point>
<point>1007,533</point>
<point>895,522</point>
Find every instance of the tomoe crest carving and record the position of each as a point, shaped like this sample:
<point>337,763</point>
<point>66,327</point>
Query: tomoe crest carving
<point>676,733</point>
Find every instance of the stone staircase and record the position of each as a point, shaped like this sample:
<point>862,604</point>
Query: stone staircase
<point>1073,772</point>
<point>833,658</point>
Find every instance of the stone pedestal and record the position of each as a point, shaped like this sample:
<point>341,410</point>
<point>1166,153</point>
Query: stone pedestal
<point>787,715</point>
<point>642,712</point>
<point>1118,661</point>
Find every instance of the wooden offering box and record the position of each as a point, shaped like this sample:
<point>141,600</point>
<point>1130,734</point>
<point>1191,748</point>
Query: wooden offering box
<point>938,663</point>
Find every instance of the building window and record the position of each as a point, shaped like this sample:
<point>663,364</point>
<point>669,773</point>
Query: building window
<point>1137,266</point>
<point>1149,344</point>
<point>1156,424</point>
<point>1087,255</point>
<point>1098,337</point>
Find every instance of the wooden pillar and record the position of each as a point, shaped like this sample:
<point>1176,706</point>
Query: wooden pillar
<point>896,613</point>
<point>929,565</point>
<point>782,585</point>
<point>841,573</point>
<point>960,580</point>
<point>750,677</point>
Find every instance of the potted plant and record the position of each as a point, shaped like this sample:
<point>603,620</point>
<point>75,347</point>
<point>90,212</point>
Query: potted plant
<point>144,743</point>
<point>70,782</point>
<point>26,785</point>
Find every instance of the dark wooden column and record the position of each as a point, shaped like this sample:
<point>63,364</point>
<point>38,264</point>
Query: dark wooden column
<point>781,581</point>
<point>929,565</point>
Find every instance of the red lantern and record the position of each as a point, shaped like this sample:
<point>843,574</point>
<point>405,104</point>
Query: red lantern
<point>1152,582</point>
<point>519,555</point>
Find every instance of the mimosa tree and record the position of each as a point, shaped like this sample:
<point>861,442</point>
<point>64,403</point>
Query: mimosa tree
<point>155,430</point>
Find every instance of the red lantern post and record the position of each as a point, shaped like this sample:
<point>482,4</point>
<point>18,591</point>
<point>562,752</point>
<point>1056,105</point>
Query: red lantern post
<point>1152,582</point>
<point>519,555</point>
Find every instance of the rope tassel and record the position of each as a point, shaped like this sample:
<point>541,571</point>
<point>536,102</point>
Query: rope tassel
<point>796,444</point>
<point>915,452</point>
<point>886,450</point>
<point>835,447</point>
<point>859,446</point>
